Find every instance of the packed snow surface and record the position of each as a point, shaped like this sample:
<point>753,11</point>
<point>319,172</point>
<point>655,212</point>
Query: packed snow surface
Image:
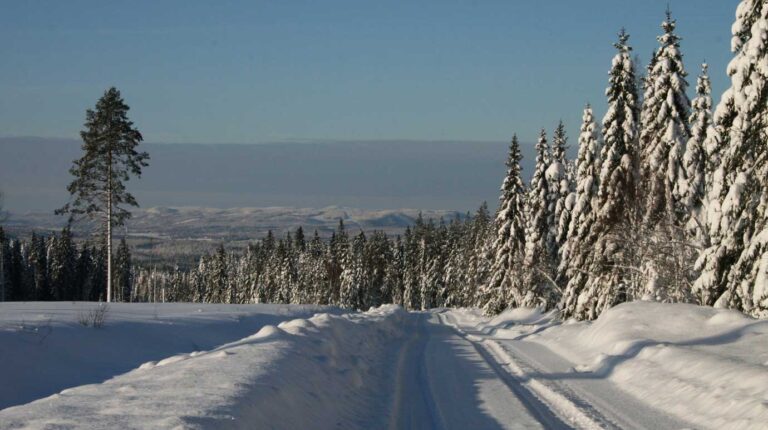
<point>641,365</point>
<point>703,366</point>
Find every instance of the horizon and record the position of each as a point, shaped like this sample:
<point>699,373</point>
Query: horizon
<point>378,175</point>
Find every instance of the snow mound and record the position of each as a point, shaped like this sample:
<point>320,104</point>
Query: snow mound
<point>302,373</point>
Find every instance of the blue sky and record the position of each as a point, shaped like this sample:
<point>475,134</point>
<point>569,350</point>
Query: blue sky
<point>260,71</point>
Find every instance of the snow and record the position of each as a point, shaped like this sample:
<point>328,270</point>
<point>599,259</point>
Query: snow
<point>302,373</point>
<point>640,365</point>
<point>43,348</point>
<point>704,366</point>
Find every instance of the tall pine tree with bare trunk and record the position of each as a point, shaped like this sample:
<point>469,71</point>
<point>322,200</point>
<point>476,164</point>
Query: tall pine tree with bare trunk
<point>110,158</point>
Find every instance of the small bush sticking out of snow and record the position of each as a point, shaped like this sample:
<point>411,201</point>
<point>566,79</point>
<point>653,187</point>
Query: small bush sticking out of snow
<point>95,317</point>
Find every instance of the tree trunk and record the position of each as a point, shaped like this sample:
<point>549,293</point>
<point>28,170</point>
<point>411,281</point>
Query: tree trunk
<point>109,228</point>
<point>2,271</point>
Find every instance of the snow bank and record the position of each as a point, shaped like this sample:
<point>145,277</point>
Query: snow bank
<point>706,366</point>
<point>320,372</point>
<point>44,349</point>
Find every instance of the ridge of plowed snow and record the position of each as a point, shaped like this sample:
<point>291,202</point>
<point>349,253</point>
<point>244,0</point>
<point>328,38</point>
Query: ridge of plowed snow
<point>297,373</point>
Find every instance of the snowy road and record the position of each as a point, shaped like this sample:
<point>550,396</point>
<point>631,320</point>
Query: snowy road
<point>640,366</point>
<point>449,378</point>
<point>446,381</point>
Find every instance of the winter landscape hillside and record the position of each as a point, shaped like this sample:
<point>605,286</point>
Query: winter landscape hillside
<point>620,281</point>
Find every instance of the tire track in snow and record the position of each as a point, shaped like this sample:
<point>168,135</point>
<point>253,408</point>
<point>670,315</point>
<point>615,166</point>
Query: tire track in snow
<point>551,408</point>
<point>414,404</point>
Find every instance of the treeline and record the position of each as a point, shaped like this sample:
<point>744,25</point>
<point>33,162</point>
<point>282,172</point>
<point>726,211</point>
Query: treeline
<point>57,268</point>
<point>433,264</point>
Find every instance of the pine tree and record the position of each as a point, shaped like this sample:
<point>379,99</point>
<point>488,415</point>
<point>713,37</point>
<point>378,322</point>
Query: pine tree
<point>696,159</point>
<point>38,258</point>
<point>577,249</point>
<point>410,275</point>
<point>109,159</point>
<point>615,202</point>
<point>15,285</point>
<point>665,131</point>
<point>481,252</point>
<point>4,254</point>
<point>218,273</point>
<point>539,259</point>
<point>339,248</point>
<point>123,272</point>
<point>504,288</point>
<point>353,276</point>
<point>299,241</point>
<point>537,228</point>
<point>395,273</point>
<point>560,188</point>
<point>456,265</point>
<point>433,292</point>
<point>317,276</point>
<point>63,263</point>
<point>96,283</point>
<point>734,267</point>
<point>378,255</point>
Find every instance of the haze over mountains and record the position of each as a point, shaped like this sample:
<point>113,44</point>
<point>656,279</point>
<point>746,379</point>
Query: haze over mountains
<point>368,175</point>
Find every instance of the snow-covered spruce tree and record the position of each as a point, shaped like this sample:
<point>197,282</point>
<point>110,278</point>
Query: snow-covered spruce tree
<point>63,261</point>
<point>539,261</point>
<point>339,247</point>
<point>96,281</point>
<point>661,241</point>
<point>38,257</point>
<point>377,255</point>
<point>615,204</point>
<point>218,276</point>
<point>480,252</point>
<point>110,157</point>
<point>4,254</point>
<point>560,188</point>
<point>695,158</point>
<point>395,272</point>
<point>433,290</point>
<point>353,277</point>
<point>428,288</point>
<point>665,131</point>
<point>576,252</point>
<point>411,296</point>
<point>537,227</point>
<point>315,275</point>
<point>504,288</point>
<point>457,263</point>
<point>734,269</point>
<point>123,272</point>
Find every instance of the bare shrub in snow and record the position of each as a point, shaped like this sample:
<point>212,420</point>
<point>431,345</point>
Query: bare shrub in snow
<point>95,317</point>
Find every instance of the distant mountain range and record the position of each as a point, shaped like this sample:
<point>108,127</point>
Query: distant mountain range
<point>238,224</point>
<point>368,175</point>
